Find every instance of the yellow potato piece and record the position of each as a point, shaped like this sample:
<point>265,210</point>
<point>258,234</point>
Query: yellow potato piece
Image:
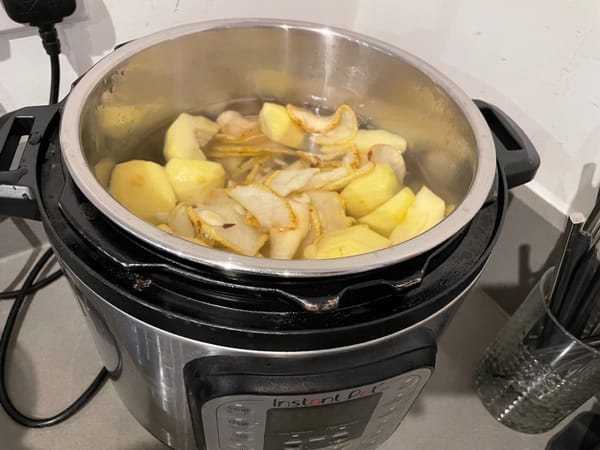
<point>354,240</point>
<point>365,193</point>
<point>194,180</point>
<point>343,182</point>
<point>387,216</point>
<point>166,228</point>
<point>426,211</point>
<point>143,188</point>
<point>187,136</point>
<point>196,240</point>
<point>276,123</point>
<point>103,170</point>
<point>365,139</point>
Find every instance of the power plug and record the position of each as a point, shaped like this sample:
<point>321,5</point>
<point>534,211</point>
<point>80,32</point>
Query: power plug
<point>44,14</point>
<point>39,12</point>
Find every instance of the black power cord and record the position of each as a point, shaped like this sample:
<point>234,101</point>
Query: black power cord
<point>7,295</point>
<point>43,14</point>
<point>5,341</point>
<point>52,45</point>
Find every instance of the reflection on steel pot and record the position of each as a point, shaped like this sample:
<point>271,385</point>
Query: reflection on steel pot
<point>120,108</point>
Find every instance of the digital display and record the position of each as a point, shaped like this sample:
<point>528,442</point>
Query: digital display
<point>326,420</point>
<point>314,417</point>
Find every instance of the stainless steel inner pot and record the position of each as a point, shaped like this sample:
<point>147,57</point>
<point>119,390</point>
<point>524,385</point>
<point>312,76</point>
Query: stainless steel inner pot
<point>121,107</point>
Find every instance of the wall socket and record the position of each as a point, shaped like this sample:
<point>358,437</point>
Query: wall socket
<point>80,14</point>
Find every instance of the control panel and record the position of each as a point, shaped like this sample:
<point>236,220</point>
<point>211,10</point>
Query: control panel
<point>359,418</point>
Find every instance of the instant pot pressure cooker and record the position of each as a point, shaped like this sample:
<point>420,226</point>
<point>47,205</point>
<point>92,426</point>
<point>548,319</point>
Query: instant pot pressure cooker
<point>214,350</point>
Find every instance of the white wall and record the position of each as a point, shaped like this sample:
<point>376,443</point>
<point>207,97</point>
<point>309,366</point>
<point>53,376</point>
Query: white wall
<point>539,60</point>
<point>24,69</point>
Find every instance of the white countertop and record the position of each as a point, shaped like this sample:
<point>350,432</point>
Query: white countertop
<point>55,359</point>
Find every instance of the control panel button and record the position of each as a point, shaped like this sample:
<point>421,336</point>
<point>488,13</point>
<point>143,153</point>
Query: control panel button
<point>393,401</point>
<point>238,410</point>
<point>407,382</point>
<point>316,439</point>
<point>240,423</point>
<point>241,436</point>
<point>402,395</point>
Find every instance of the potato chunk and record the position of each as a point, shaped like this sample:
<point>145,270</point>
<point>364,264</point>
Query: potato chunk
<point>350,241</point>
<point>143,188</point>
<point>426,211</point>
<point>187,136</point>
<point>194,180</point>
<point>367,192</point>
<point>387,216</point>
<point>276,123</point>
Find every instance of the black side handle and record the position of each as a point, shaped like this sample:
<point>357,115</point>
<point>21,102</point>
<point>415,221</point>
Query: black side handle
<point>515,153</point>
<point>18,185</point>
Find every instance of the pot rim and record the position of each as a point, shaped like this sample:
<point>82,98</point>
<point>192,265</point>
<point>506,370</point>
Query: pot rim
<point>85,180</point>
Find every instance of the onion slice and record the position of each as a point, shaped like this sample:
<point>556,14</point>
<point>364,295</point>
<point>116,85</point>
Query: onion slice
<point>312,122</point>
<point>343,132</point>
<point>223,221</point>
<point>270,209</point>
<point>386,154</point>
<point>331,210</point>
<point>284,182</point>
<point>285,243</point>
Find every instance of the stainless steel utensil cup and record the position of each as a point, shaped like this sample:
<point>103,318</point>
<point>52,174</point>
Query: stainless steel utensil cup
<point>528,383</point>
